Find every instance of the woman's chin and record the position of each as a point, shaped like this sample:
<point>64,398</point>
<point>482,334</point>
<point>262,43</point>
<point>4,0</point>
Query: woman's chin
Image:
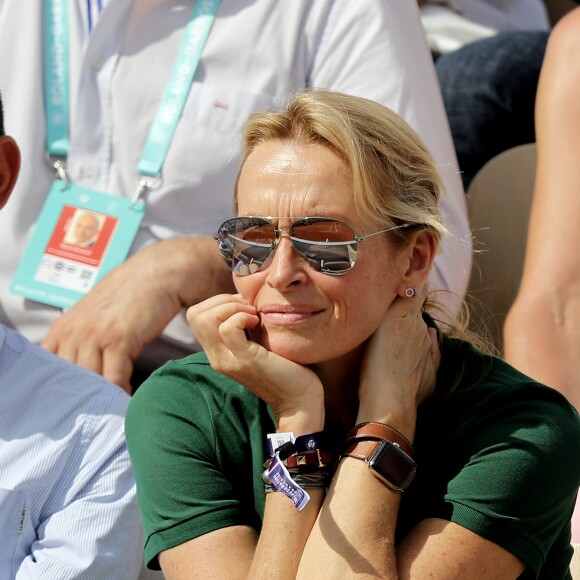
<point>298,350</point>
<point>305,349</point>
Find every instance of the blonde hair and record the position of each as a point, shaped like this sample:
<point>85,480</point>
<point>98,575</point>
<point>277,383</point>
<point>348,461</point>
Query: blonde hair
<point>394,176</point>
<point>395,179</point>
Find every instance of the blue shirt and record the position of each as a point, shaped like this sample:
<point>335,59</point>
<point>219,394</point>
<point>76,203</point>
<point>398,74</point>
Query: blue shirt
<point>67,493</point>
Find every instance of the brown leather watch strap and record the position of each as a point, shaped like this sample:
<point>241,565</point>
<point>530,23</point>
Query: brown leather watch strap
<point>378,432</point>
<point>361,449</point>
<point>386,459</point>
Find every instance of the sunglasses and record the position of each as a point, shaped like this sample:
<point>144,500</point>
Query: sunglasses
<point>329,245</point>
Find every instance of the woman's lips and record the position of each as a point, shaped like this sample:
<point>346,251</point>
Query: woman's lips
<point>288,314</point>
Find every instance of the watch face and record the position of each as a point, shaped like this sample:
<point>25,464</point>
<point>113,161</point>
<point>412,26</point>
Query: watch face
<point>393,466</point>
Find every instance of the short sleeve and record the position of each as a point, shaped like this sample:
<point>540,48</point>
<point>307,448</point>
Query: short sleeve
<point>187,455</point>
<point>89,526</point>
<point>520,476</point>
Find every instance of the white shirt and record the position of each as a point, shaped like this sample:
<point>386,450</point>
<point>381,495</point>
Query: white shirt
<point>501,15</point>
<point>258,53</point>
<point>451,24</point>
<point>67,494</point>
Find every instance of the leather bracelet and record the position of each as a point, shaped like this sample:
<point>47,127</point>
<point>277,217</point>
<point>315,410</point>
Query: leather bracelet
<point>378,432</point>
<point>306,460</point>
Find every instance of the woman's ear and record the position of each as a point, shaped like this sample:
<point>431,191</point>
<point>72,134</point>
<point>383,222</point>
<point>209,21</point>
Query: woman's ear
<point>420,254</point>
<point>9,167</point>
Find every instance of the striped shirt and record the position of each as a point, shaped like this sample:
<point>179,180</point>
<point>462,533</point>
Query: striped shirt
<point>67,494</point>
<point>93,11</point>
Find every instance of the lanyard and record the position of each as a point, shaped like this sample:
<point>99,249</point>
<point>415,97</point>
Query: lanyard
<point>56,83</point>
<point>56,77</point>
<point>165,123</point>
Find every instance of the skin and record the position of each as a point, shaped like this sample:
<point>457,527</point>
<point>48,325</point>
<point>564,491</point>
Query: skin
<point>107,329</point>
<point>325,355</point>
<point>86,228</point>
<point>9,167</point>
<point>542,330</point>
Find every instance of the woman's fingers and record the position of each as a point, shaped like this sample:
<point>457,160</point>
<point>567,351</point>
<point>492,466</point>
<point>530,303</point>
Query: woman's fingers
<point>211,321</point>
<point>206,316</point>
<point>400,364</point>
<point>221,324</point>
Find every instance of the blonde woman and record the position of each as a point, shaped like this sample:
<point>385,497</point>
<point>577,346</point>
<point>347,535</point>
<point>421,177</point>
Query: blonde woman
<point>332,428</point>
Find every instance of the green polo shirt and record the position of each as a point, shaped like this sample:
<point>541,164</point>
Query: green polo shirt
<point>497,453</point>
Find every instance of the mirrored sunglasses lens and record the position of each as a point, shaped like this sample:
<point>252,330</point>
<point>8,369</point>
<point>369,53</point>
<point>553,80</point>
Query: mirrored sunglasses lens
<point>246,243</point>
<point>328,245</point>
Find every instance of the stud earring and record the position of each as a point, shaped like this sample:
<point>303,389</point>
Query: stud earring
<point>411,292</point>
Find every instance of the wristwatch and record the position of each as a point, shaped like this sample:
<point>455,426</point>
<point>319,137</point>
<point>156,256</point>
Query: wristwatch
<point>386,460</point>
<point>388,453</point>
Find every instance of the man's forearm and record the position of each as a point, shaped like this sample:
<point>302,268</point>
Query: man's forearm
<point>196,268</point>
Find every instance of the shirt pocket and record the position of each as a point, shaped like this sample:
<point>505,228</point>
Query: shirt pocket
<point>13,520</point>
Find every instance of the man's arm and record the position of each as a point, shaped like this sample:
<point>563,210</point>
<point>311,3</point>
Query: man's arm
<point>542,330</point>
<point>107,330</point>
<point>92,528</point>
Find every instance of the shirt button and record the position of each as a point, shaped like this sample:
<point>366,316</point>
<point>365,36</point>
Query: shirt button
<point>88,171</point>
<point>97,63</point>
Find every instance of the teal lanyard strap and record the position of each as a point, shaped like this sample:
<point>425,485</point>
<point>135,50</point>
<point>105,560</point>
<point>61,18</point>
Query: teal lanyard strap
<point>56,86</point>
<point>56,77</point>
<point>190,51</point>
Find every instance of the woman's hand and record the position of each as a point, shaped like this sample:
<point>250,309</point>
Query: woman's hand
<point>294,392</point>
<point>399,367</point>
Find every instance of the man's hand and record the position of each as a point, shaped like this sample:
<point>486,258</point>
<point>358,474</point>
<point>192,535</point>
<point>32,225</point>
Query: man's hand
<point>107,330</point>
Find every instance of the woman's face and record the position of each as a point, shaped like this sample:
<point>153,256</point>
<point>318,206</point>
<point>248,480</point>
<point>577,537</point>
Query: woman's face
<point>307,316</point>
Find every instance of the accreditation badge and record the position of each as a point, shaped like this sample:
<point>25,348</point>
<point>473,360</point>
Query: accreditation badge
<point>80,236</point>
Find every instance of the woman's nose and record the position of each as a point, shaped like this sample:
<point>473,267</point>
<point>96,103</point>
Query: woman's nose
<point>288,268</point>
